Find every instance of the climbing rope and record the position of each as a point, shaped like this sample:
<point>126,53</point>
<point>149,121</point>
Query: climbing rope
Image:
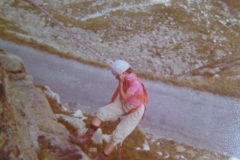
<point>72,35</point>
<point>81,42</point>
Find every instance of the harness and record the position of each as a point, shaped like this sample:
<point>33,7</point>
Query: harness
<point>143,98</point>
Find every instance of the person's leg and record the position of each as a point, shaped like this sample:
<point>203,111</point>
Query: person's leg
<point>96,121</point>
<point>124,128</point>
<point>127,125</point>
<point>83,141</point>
<point>107,150</point>
<point>111,111</point>
<point>108,112</point>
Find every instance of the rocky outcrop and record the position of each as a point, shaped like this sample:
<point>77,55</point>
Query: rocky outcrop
<point>29,128</point>
<point>13,66</point>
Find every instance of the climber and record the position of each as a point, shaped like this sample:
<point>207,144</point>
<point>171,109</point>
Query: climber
<point>130,107</point>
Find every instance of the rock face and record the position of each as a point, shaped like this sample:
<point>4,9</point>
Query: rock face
<point>29,128</point>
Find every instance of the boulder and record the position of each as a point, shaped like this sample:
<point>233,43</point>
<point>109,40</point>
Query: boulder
<point>13,65</point>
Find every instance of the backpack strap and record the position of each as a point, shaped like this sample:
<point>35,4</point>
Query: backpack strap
<point>143,98</point>
<point>115,94</point>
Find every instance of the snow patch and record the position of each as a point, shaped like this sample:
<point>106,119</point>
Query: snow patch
<point>146,146</point>
<point>77,113</point>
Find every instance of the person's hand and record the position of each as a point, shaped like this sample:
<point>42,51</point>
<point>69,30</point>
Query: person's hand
<point>121,78</point>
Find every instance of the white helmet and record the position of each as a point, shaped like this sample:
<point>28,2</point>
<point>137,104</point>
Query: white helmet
<point>119,66</point>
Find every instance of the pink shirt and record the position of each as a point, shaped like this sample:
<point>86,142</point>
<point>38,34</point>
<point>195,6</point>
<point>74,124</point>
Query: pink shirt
<point>135,87</point>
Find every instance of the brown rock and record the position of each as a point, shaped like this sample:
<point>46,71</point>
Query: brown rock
<point>29,129</point>
<point>13,65</point>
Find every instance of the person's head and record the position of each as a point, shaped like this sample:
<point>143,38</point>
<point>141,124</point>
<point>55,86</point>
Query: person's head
<point>121,67</point>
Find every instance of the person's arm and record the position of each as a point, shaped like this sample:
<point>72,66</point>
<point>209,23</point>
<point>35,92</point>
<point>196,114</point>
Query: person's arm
<point>123,96</point>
